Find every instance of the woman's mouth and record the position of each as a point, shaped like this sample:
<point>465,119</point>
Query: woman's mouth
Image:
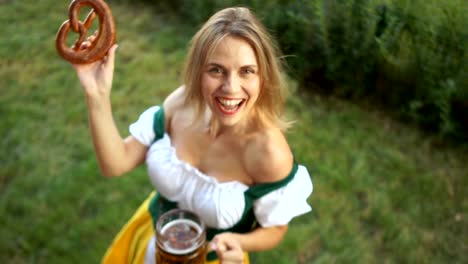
<point>229,106</point>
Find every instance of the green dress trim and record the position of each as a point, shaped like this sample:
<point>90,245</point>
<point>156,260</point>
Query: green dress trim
<point>158,124</point>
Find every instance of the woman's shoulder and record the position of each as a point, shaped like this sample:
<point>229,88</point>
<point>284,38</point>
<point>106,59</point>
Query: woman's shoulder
<point>268,157</point>
<point>173,103</point>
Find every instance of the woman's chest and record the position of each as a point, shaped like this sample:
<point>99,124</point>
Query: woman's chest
<point>221,158</point>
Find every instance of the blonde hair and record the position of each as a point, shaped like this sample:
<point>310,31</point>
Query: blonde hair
<point>239,22</point>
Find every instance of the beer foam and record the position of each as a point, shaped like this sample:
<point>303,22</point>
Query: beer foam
<point>182,225</point>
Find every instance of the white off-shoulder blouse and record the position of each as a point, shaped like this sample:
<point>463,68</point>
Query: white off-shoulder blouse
<point>221,205</point>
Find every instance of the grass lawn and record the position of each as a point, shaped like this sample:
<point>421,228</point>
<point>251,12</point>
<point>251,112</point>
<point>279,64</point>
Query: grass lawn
<point>383,192</point>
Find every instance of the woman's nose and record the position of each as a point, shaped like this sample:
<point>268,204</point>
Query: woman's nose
<point>231,83</point>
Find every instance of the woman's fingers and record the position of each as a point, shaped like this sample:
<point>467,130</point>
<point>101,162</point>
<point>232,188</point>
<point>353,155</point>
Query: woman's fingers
<point>232,257</point>
<point>89,41</point>
<point>228,249</point>
<point>110,57</point>
<point>86,44</point>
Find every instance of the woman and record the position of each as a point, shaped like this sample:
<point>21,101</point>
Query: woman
<point>216,145</point>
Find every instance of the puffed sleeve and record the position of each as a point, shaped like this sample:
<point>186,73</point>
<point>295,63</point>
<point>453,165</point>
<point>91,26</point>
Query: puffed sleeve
<point>280,206</point>
<point>143,129</point>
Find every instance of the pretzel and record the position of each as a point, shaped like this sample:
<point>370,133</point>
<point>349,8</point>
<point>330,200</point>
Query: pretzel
<point>103,39</point>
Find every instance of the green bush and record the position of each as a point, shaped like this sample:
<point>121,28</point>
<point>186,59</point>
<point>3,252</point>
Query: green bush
<point>348,28</point>
<point>423,50</point>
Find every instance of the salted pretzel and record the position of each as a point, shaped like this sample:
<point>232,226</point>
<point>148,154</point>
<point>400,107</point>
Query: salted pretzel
<point>99,43</point>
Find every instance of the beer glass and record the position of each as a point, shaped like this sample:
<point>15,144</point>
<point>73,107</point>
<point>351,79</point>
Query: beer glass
<point>180,238</point>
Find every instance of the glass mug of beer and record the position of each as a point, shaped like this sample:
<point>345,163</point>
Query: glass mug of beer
<point>180,238</point>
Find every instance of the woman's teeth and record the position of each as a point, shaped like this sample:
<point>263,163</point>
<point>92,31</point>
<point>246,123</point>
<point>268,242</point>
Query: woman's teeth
<point>226,102</point>
<point>229,105</point>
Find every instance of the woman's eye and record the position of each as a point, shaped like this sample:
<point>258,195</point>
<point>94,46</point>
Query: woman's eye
<point>215,70</point>
<point>248,71</point>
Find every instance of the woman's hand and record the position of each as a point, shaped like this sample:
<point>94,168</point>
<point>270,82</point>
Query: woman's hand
<point>96,77</point>
<point>228,248</point>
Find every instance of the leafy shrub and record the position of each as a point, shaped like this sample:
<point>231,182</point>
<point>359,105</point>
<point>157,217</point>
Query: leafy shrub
<point>423,50</point>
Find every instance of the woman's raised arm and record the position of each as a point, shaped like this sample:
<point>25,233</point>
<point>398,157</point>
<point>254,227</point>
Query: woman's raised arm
<point>115,155</point>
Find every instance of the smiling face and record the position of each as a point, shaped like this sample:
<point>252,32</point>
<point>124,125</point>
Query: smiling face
<point>230,82</point>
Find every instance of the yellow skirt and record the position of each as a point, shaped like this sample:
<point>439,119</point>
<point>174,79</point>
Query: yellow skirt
<point>129,246</point>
